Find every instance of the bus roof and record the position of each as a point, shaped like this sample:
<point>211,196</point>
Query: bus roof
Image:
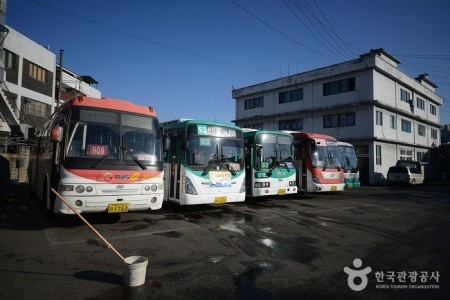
<point>182,123</point>
<point>249,133</point>
<point>340,143</point>
<point>311,135</point>
<point>113,104</point>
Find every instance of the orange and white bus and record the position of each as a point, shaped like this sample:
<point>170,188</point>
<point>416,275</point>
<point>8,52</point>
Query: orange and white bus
<point>101,155</point>
<point>318,162</point>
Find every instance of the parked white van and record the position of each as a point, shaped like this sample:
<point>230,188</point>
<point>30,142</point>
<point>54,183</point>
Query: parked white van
<point>406,172</point>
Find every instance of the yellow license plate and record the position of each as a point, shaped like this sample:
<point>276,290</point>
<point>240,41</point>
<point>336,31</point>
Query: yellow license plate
<point>282,192</point>
<point>333,188</point>
<point>117,207</point>
<point>220,200</point>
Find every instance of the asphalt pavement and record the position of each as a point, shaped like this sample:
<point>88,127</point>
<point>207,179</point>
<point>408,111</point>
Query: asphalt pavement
<point>371,243</point>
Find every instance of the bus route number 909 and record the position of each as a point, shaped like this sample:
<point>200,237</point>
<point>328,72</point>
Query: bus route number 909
<point>98,150</point>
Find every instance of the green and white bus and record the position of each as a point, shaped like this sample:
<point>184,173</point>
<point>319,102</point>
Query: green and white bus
<point>269,160</point>
<point>204,162</point>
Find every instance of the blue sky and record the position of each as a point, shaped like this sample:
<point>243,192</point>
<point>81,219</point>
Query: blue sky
<point>184,57</point>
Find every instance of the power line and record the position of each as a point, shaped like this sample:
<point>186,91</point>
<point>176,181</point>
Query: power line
<point>136,36</point>
<point>310,31</point>
<point>278,31</point>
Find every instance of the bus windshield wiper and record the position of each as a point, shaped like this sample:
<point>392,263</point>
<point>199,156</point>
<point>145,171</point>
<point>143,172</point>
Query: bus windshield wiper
<point>276,163</point>
<point>210,162</point>
<point>327,159</point>
<point>100,160</point>
<point>285,160</point>
<point>130,154</point>
<point>349,163</point>
<point>230,167</point>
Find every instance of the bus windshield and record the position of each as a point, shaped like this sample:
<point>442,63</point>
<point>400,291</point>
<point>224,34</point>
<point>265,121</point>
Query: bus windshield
<point>115,137</point>
<point>348,158</point>
<point>326,155</point>
<point>276,151</point>
<point>222,151</point>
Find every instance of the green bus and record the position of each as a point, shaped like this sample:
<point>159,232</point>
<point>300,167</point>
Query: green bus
<point>204,162</point>
<point>270,165</point>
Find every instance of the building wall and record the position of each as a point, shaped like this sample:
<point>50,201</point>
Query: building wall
<point>30,51</point>
<point>379,86</point>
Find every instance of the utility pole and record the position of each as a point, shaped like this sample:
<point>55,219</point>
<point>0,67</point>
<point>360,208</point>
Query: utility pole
<point>58,97</point>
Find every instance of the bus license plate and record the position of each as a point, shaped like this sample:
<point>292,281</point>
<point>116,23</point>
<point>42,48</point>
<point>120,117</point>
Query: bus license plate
<point>220,200</point>
<point>333,188</point>
<point>117,207</point>
<point>282,192</point>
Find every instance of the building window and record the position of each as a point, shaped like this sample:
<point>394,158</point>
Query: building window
<point>339,120</point>
<point>378,154</point>
<point>11,60</point>
<point>406,126</point>
<point>420,103</point>
<point>421,156</point>
<point>340,86</point>
<point>406,154</point>
<point>37,73</point>
<point>405,95</point>
<point>254,103</point>
<point>35,108</point>
<point>432,109</point>
<point>393,122</point>
<point>258,126</point>
<point>379,119</point>
<point>290,96</point>
<point>434,134</point>
<point>421,130</point>
<point>296,124</point>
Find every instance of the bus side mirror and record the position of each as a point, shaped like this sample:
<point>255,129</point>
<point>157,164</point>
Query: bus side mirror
<point>313,146</point>
<point>57,134</point>
<point>258,150</point>
<point>166,143</point>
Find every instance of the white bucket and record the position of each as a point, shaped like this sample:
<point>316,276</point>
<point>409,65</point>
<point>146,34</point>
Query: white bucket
<point>135,269</point>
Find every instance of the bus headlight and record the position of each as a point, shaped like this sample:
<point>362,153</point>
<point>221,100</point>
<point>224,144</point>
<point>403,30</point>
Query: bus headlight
<point>242,190</point>
<point>154,187</point>
<point>315,179</point>
<point>79,189</point>
<point>89,189</point>
<point>189,187</point>
<point>262,184</point>
<point>147,188</point>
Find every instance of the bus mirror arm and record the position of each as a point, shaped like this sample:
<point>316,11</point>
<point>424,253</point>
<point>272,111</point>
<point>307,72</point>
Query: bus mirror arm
<point>258,150</point>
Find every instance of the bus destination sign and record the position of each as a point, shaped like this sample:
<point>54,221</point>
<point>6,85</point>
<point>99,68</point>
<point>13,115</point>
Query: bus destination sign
<point>216,131</point>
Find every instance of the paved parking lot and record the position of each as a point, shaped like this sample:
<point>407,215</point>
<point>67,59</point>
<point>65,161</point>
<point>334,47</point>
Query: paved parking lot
<point>287,248</point>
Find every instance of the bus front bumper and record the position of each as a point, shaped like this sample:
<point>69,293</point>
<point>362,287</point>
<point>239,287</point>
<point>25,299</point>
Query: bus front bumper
<point>98,204</point>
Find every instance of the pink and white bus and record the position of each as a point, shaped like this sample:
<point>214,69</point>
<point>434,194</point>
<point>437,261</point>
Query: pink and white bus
<point>317,162</point>
<point>101,155</point>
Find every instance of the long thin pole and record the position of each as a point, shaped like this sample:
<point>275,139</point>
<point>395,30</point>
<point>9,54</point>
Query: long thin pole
<point>90,226</point>
<point>58,97</point>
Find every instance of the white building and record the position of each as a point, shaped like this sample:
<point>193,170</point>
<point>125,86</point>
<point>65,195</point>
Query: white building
<point>369,102</point>
<point>28,91</point>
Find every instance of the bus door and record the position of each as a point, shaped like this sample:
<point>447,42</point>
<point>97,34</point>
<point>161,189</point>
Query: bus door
<point>175,166</point>
<point>301,164</point>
